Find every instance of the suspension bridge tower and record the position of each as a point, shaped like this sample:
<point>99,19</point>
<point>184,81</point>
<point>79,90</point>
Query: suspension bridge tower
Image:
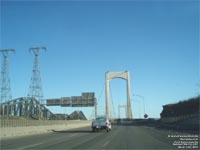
<point>5,88</point>
<point>125,76</point>
<point>35,88</point>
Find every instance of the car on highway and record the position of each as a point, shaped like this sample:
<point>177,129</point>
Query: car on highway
<point>101,123</point>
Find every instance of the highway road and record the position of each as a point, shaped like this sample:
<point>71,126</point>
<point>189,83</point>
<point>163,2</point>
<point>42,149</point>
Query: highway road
<point>121,137</point>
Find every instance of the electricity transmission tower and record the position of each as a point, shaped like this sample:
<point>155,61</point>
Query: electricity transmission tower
<point>5,89</point>
<point>35,88</point>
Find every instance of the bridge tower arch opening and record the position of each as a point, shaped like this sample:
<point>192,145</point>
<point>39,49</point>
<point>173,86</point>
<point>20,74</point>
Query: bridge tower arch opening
<point>119,107</point>
<point>122,75</point>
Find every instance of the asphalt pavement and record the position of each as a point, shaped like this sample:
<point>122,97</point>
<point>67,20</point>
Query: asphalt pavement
<point>121,137</point>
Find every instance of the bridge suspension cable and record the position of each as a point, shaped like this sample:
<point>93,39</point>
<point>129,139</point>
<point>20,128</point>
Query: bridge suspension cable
<point>112,103</point>
<point>97,102</point>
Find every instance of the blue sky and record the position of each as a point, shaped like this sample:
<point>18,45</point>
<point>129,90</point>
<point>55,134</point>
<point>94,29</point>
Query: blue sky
<point>156,41</point>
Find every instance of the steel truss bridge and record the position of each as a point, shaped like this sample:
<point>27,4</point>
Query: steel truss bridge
<point>27,107</point>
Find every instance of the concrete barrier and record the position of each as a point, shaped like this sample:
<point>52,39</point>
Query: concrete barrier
<point>7,132</point>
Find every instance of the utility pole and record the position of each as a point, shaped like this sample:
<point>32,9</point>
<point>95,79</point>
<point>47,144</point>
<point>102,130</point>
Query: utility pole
<point>5,89</point>
<point>35,88</point>
<point>95,108</point>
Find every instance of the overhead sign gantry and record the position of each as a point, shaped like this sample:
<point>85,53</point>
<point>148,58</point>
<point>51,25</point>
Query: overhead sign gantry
<point>85,100</point>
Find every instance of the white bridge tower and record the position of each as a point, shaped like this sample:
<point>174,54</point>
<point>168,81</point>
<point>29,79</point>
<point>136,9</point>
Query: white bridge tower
<point>123,75</point>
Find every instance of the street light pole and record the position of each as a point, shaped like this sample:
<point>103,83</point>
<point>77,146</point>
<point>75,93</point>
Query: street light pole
<point>142,101</point>
<point>138,101</point>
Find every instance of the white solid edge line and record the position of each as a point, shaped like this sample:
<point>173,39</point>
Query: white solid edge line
<point>105,143</point>
<point>30,146</point>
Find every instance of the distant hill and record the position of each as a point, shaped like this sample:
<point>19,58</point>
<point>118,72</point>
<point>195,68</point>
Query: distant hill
<point>76,115</point>
<point>182,108</point>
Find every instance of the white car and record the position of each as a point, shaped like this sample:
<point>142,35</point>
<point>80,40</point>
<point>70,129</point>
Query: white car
<point>101,123</point>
